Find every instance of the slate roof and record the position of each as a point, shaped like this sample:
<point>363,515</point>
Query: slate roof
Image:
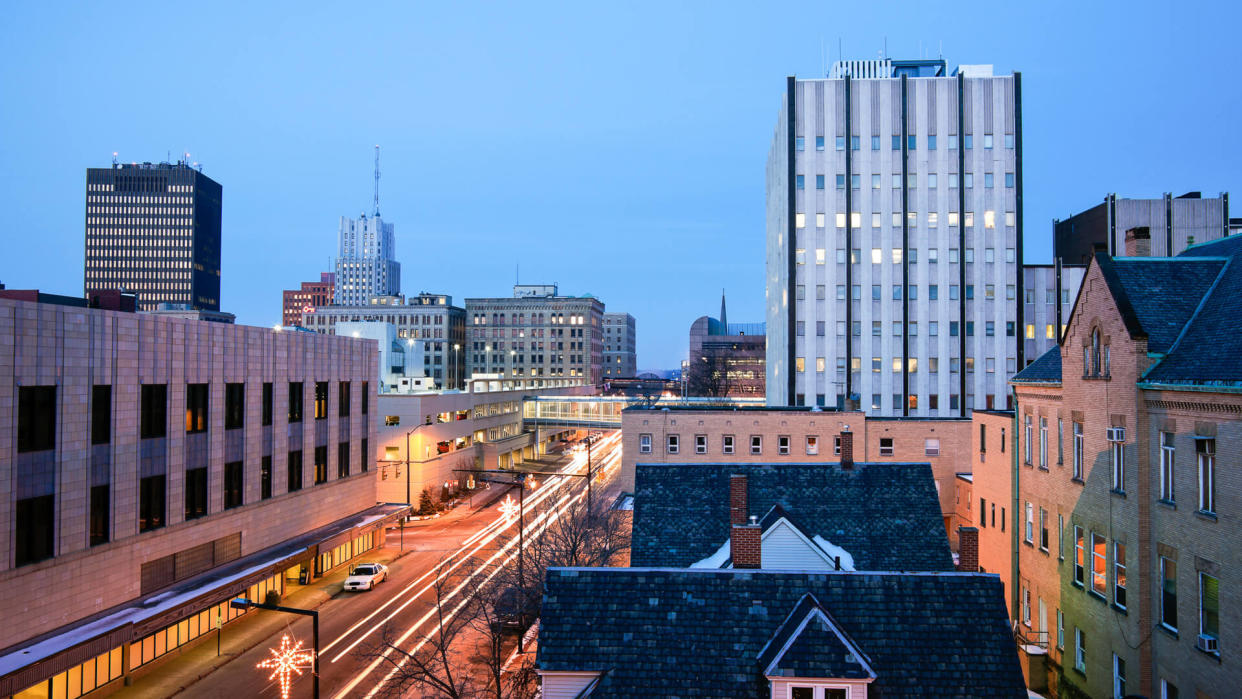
<point>682,633</point>
<point>1209,351</point>
<point>1046,369</point>
<point>1157,296</point>
<point>886,515</point>
<point>812,644</point>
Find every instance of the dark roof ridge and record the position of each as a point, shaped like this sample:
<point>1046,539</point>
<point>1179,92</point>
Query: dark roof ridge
<point>1122,299</point>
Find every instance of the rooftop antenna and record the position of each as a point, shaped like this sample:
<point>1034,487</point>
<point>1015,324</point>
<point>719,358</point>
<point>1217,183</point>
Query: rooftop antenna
<point>886,47</point>
<point>377,173</point>
<point>940,49</point>
<point>823,60</point>
<point>517,273</point>
<point>840,50</point>
<point>114,162</point>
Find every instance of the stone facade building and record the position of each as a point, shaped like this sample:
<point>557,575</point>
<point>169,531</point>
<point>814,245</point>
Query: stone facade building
<point>159,467</point>
<point>536,339</point>
<point>429,318</point>
<point>1128,551</point>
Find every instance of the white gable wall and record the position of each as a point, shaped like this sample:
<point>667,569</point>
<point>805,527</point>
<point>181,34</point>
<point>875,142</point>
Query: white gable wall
<point>784,548</point>
<point>565,685</point>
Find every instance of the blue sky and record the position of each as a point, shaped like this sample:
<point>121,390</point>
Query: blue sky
<point>614,148</point>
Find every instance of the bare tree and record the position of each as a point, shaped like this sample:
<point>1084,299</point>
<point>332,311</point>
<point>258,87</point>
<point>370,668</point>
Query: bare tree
<point>438,665</point>
<point>708,373</point>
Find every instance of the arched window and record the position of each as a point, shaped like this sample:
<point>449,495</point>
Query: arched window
<point>1086,360</point>
<point>1095,352</point>
<point>1108,359</point>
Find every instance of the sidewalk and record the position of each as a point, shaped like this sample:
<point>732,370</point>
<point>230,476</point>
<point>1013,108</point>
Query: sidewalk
<point>174,674</point>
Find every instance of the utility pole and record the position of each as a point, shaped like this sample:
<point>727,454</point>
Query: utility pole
<point>589,476</point>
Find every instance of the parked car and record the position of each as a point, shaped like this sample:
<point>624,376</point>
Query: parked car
<point>366,576</point>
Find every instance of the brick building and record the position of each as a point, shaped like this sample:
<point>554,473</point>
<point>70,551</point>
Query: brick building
<point>1126,531</point>
<point>295,302</point>
<point>158,467</point>
<point>762,434</point>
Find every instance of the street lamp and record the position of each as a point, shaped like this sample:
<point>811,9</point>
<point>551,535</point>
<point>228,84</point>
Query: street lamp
<point>242,603</point>
<point>407,478</point>
<point>456,364</point>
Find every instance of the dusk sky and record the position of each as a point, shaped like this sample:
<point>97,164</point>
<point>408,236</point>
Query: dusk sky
<point>616,149</point>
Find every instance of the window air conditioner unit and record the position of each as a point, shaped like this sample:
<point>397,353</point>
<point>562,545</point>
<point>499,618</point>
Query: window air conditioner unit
<point>1116,434</point>
<point>1207,644</point>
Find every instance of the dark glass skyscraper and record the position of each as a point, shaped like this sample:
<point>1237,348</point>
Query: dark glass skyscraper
<point>154,229</point>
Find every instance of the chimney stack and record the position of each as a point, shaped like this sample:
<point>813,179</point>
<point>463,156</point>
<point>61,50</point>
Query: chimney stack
<point>847,450</point>
<point>1138,242</point>
<point>738,506</point>
<point>968,549</point>
<point>745,545</point>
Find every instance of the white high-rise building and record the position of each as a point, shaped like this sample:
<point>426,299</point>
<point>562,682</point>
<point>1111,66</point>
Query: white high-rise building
<point>366,265</point>
<point>894,239</point>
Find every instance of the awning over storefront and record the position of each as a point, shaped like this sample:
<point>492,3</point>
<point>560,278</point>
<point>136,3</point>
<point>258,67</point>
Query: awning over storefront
<point>44,656</point>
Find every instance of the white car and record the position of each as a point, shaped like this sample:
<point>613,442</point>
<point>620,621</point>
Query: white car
<point>366,576</point>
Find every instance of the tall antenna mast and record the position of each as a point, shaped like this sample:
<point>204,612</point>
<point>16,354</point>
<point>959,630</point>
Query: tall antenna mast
<point>377,213</point>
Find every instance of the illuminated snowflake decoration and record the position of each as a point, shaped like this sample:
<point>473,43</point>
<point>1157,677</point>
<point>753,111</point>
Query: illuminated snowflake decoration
<point>509,508</point>
<point>287,661</point>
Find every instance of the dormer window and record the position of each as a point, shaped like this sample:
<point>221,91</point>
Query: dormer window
<point>798,692</point>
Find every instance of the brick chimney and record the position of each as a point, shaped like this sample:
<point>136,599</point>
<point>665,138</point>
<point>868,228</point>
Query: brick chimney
<point>847,450</point>
<point>1138,242</point>
<point>968,549</point>
<point>745,545</point>
<point>738,506</point>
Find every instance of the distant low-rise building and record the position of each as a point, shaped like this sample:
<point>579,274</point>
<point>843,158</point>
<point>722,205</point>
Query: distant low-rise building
<point>537,339</point>
<point>429,318</point>
<point>620,353</point>
<point>725,359</point>
<point>311,295</point>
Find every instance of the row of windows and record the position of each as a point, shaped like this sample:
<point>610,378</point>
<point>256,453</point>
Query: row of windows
<point>36,428</point>
<point>933,400</point>
<point>911,291</point>
<point>912,219</point>
<point>911,365</point>
<point>877,329</point>
<point>910,255</point>
<point>911,181</point>
<point>912,142</point>
<point>1036,451</point>
<point>810,443</point>
<point>35,517</point>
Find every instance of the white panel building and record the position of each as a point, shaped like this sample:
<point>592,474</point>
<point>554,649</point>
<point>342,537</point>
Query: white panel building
<point>366,265</point>
<point>894,237</point>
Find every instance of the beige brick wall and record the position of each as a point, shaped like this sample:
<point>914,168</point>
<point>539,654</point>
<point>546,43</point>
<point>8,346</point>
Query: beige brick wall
<point>992,490</point>
<point>909,440</point>
<point>76,348</point>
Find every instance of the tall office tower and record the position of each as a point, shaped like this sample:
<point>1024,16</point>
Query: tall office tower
<point>154,229</point>
<point>620,355</point>
<point>894,238</point>
<point>1174,223</point>
<point>366,266</point>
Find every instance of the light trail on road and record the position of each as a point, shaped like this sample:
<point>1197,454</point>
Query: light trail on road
<point>553,483</point>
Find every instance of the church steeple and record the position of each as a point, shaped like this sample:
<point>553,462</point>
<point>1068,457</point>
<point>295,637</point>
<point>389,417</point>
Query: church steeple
<point>724,316</point>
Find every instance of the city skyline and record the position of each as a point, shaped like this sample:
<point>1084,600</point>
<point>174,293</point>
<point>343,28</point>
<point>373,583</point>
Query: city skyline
<point>654,147</point>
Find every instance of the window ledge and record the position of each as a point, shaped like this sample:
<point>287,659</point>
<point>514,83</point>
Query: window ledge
<point>1044,551</point>
<point>1168,630</point>
<point>1077,480</point>
<point>1097,596</point>
<point>1214,656</point>
<point>1203,514</point>
<point>1167,503</point>
<point>1119,493</point>
<point>1120,610</point>
<point>1043,468</point>
<point>1029,543</point>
